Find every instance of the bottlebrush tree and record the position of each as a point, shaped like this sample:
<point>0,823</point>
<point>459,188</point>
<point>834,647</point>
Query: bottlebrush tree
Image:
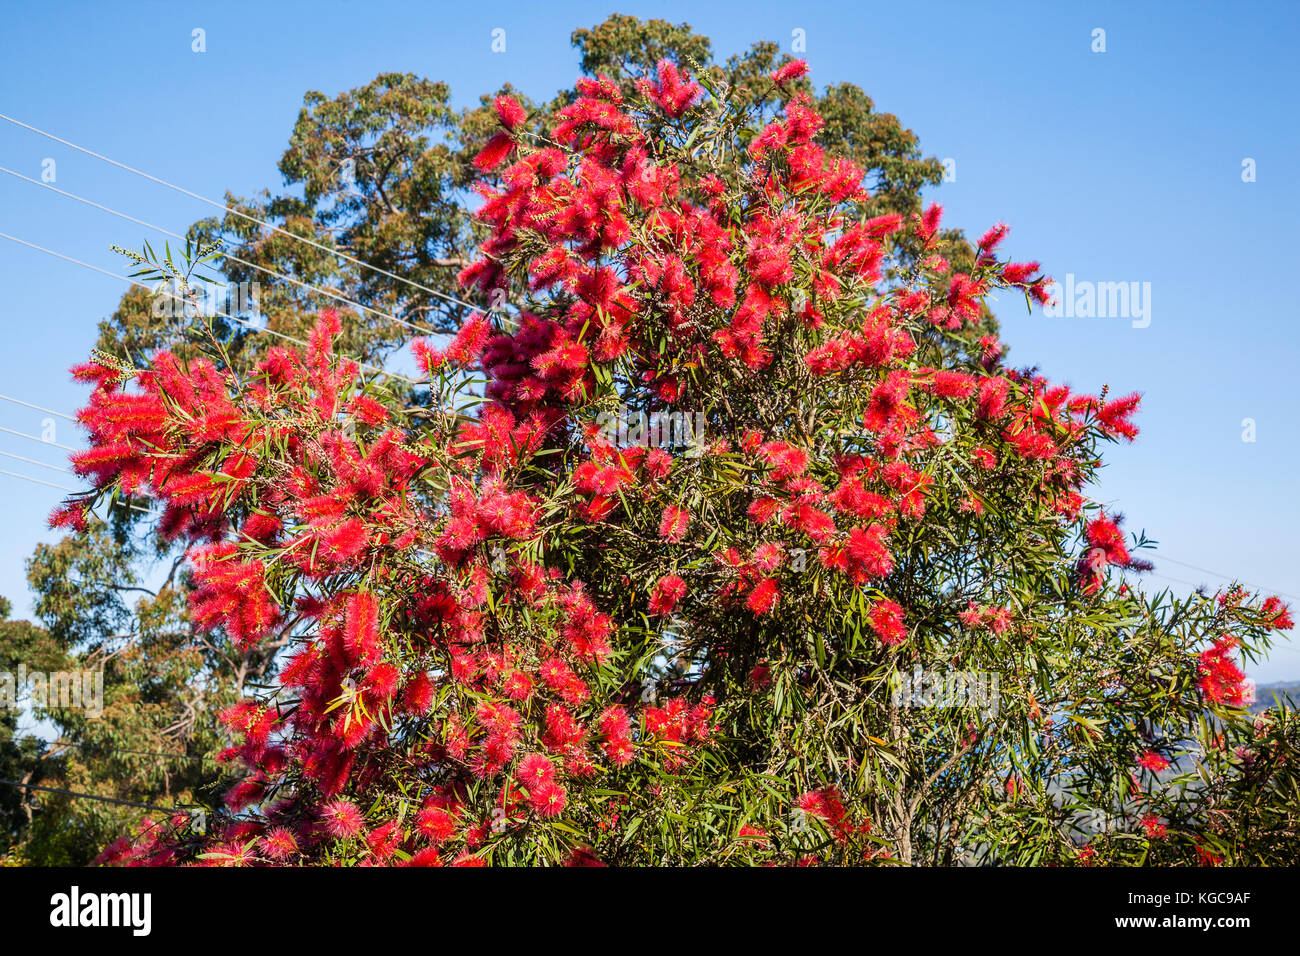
<point>522,636</point>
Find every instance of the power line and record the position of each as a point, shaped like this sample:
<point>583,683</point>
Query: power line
<point>130,281</point>
<point>89,796</point>
<point>1165,577</point>
<point>34,437</point>
<point>50,484</point>
<point>243,215</point>
<point>1226,577</point>
<point>33,461</point>
<point>120,750</point>
<point>253,265</point>
<point>39,408</point>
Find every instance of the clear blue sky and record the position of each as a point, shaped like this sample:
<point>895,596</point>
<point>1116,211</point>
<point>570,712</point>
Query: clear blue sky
<point>1115,166</point>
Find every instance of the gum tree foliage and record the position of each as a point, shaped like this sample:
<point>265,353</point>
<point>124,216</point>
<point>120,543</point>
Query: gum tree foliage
<point>21,755</point>
<point>155,739</point>
<point>519,638</point>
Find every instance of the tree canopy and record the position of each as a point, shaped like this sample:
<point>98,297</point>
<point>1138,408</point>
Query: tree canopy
<point>717,529</point>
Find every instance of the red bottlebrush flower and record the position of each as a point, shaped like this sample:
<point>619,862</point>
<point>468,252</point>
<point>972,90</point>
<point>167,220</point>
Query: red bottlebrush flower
<point>830,357</point>
<point>658,463</point>
<point>495,152</point>
<point>1154,829</point>
<point>555,673</point>
<point>972,617</point>
<point>993,238</point>
<point>667,592</point>
<point>1105,547</point>
<point>953,384</point>
<point>342,819</point>
<point>674,523</point>
<point>427,358</point>
<point>469,341</point>
<point>417,696</point>
<point>773,136</point>
<point>614,722</point>
<point>1206,857</point>
<point>509,111</point>
<point>342,544</point>
<point>1018,273</point>
<point>1153,761</point>
<point>562,730</point>
<point>878,227</point>
<point>384,840</point>
<point>1221,680</point>
<point>1113,417</point>
<point>828,805</point>
<point>361,628</point>
<point>762,510</point>
<point>244,794</point>
<point>1040,291</point>
<point>368,410</point>
<point>534,770</point>
<point>279,844</point>
<point>672,91</point>
<point>815,523</point>
<point>619,750</point>
<point>786,461</point>
<point>548,799</point>
<point>790,71</point>
<point>1277,613</point>
<point>583,856</point>
<point>712,185</point>
<point>232,594</point>
<point>764,597</point>
<point>768,556</point>
<point>103,377</point>
<point>261,527</point>
<point>72,515</point>
<point>886,619</point>
<point>435,823</point>
<point>381,683</point>
<point>927,226</point>
<point>964,296</point>
<point>866,556</point>
<point>517,686</point>
<point>990,349</point>
<point>993,398</point>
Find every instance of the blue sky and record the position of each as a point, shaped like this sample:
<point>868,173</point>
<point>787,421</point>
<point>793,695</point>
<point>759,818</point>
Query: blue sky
<point>1122,166</point>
